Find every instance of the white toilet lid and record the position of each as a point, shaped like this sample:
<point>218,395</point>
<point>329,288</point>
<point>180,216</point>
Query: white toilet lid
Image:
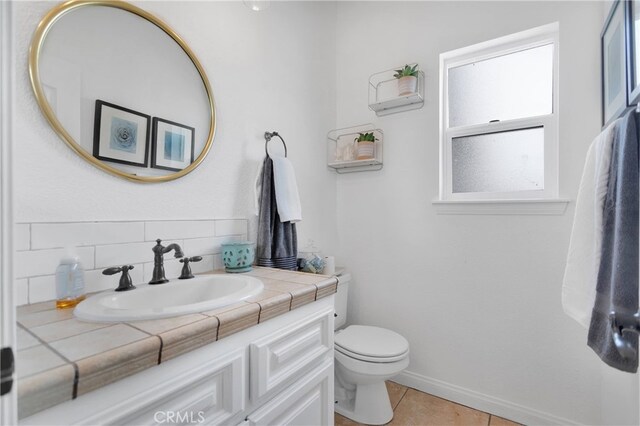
<point>371,342</point>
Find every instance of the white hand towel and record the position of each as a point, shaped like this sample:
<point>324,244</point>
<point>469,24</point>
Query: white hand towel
<point>287,198</point>
<point>257,189</point>
<point>585,247</point>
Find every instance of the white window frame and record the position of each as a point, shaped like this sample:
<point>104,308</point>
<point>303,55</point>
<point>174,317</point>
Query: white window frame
<point>536,37</point>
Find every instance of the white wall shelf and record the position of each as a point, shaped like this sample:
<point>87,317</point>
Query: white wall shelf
<point>341,149</point>
<point>383,94</point>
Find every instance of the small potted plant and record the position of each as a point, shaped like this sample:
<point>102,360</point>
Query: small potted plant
<point>366,145</point>
<point>407,79</point>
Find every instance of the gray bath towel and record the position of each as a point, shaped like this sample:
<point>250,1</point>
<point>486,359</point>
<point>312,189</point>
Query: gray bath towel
<point>277,241</point>
<point>617,285</point>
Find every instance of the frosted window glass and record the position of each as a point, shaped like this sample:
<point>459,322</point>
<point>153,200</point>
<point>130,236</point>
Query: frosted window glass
<point>499,162</point>
<point>506,87</point>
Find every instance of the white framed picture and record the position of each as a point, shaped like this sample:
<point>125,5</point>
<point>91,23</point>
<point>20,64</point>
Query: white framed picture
<point>173,145</point>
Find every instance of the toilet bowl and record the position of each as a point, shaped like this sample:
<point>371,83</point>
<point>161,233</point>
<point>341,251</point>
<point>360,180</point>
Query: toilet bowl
<point>365,357</point>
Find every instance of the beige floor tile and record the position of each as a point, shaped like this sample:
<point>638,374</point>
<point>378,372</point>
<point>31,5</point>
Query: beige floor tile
<point>396,392</point>
<point>343,421</point>
<point>499,421</point>
<point>417,408</point>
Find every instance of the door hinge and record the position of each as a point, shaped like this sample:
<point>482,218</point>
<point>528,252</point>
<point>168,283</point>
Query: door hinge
<point>7,368</point>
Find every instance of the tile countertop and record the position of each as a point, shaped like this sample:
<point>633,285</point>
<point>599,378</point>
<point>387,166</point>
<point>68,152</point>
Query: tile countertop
<point>60,357</point>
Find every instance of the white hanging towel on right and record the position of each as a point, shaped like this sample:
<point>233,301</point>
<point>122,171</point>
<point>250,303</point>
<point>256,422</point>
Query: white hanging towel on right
<point>286,188</point>
<point>585,247</point>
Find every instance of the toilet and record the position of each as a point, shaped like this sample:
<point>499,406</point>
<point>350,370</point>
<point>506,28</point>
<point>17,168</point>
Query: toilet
<point>365,357</point>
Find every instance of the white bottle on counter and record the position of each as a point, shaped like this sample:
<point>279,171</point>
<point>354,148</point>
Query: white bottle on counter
<point>69,282</point>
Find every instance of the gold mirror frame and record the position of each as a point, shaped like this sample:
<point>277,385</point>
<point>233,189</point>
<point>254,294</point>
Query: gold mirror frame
<point>34,74</point>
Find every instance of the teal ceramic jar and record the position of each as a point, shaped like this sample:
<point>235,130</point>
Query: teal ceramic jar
<point>238,256</point>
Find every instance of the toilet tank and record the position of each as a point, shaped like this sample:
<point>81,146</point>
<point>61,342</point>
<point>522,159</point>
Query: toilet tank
<point>341,300</point>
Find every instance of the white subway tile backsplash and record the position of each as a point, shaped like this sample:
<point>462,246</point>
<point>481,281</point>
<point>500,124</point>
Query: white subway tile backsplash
<point>39,248</point>
<point>128,254</point>
<point>22,292</point>
<point>231,227</point>
<point>44,262</point>
<point>205,265</point>
<point>217,262</point>
<point>177,229</point>
<point>22,237</point>
<point>52,235</point>
<point>42,289</point>
<point>202,246</point>
<point>96,281</point>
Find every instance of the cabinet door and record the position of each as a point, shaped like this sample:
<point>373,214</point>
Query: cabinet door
<point>289,353</point>
<point>211,395</point>
<point>308,402</point>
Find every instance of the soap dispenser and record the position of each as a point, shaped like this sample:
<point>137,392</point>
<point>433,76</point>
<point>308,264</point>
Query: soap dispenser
<point>69,282</point>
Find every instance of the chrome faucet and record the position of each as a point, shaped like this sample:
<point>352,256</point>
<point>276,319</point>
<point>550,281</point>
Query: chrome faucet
<point>158,260</point>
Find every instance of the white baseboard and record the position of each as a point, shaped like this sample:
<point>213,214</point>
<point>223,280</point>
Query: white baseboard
<point>479,401</point>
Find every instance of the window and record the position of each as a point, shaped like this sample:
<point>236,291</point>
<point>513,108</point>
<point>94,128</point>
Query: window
<point>499,118</point>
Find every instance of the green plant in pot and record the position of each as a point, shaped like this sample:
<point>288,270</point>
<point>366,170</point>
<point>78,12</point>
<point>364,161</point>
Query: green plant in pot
<point>407,79</point>
<point>366,145</point>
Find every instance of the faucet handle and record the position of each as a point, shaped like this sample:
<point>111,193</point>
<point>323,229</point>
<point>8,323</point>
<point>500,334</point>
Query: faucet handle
<point>186,269</point>
<point>125,280</point>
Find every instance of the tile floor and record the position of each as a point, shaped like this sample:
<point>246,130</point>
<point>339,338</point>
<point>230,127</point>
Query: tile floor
<point>415,408</point>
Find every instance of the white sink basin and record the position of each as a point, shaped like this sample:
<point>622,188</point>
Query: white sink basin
<point>177,297</point>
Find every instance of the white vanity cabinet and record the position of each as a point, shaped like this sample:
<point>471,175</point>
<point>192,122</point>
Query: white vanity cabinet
<point>304,403</point>
<point>275,373</point>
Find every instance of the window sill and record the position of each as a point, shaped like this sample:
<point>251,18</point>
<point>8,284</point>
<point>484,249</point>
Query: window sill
<point>556,206</point>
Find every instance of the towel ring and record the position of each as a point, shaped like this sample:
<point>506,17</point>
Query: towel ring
<point>267,138</point>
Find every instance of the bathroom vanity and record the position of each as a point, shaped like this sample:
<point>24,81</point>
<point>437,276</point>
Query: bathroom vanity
<point>269,361</point>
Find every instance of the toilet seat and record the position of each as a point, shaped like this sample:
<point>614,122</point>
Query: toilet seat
<point>371,344</point>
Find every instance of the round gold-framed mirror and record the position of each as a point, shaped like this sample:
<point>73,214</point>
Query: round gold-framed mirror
<point>122,90</point>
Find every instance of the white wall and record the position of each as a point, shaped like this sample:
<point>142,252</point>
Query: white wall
<point>272,70</point>
<point>478,297</point>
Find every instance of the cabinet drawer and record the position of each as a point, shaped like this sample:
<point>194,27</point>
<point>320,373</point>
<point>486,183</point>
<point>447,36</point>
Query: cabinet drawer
<point>308,402</point>
<point>288,353</point>
<point>210,395</point>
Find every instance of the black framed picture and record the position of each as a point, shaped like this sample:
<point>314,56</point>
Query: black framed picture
<point>173,145</point>
<point>121,135</point>
<point>633,43</point>
<point>614,63</point>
